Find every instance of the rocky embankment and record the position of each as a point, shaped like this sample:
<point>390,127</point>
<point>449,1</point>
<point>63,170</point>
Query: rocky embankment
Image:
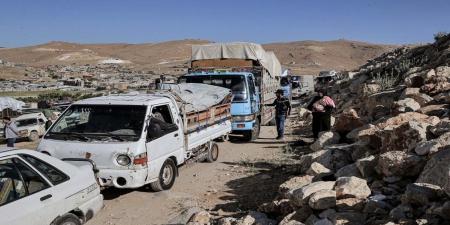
<point>387,160</point>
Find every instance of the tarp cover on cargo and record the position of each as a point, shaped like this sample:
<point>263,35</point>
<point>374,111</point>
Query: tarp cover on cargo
<point>238,50</point>
<point>10,103</point>
<point>199,97</point>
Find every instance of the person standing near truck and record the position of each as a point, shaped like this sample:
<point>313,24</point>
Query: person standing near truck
<point>11,131</point>
<point>321,107</point>
<point>282,110</point>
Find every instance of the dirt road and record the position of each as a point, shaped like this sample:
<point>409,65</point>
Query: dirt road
<point>239,180</point>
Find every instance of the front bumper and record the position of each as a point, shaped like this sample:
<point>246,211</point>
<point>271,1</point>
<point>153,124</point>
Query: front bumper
<point>134,178</point>
<point>242,126</point>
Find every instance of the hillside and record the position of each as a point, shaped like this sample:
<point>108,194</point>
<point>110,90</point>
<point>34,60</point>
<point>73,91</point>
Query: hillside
<point>304,57</point>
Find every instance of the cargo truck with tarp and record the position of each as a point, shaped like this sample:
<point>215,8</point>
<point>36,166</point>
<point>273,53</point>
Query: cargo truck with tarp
<point>252,74</point>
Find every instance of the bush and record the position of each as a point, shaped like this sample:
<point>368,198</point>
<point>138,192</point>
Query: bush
<point>440,35</point>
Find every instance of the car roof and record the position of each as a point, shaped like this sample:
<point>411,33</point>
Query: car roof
<point>123,99</point>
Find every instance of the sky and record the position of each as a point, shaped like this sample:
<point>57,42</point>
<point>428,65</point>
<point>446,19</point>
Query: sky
<point>30,22</point>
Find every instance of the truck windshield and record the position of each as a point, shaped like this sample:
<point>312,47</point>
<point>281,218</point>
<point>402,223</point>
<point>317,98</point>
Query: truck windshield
<point>236,83</point>
<point>100,122</point>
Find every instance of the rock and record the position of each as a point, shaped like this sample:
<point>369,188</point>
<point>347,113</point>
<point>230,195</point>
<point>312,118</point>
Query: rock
<point>185,216</point>
<point>279,207</point>
<point>348,171</point>
<point>323,222</point>
<point>322,199</point>
<point>348,121</point>
<point>415,94</point>
<point>443,98</point>
<point>376,205</point>
<point>350,204</point>
<point>226,221</point>
<point>398,163</point>
<point>421,193</point>
<point>291,222</point>
<point>437,170</point>
<point>318,171</point>
<point>255,218</point>
<point>300,215</point>
<point>442,127</point>
<point>414,81</point>
<point>435,110</point>
<point>301,196</point>
<point>443,71</point>
<point>201,217</point>
<point>311,219</point>
<point>406,105</point>
<point>427,147</point>
<point>401,212</point>
<point>366,166</point>
<point>328,214</point>
<point>363,150</point>
<point>354,134</point>
<point>288,187</point>
<point>341,155</point>
<point>350,218</point>
<point>351,187</point>
<point>324,157</point>
<point>404,137</point>
<point>325,138</point>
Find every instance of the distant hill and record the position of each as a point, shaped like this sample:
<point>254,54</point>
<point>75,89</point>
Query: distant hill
<point>303,57</point>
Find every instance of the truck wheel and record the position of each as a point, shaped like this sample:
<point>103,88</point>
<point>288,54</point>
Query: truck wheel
<point>34,136</point>
<point>166,177</point>
<point>254,133</point>
<point>67,219</point>
<point>213,153</point>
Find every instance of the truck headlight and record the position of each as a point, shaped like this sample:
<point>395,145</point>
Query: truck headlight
<point>243,118</point>
<point>123,160</point>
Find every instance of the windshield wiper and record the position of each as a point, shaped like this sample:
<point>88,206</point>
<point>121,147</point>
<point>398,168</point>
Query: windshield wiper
<point>76,135</point>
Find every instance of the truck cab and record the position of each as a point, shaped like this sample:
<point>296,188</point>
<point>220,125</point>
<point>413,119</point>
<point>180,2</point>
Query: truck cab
<point>245,106</point>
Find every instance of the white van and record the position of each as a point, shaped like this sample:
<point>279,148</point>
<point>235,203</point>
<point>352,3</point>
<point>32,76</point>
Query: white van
<point>137,139</point>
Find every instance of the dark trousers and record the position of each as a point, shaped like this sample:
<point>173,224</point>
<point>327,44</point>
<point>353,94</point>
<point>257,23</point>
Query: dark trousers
<point>321,122</point>
<point>280,119</point>
<point>10,142</point>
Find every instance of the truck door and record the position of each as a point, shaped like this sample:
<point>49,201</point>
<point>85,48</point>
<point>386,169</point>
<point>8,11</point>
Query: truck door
<point>164,138</point>
<point>254,98</point>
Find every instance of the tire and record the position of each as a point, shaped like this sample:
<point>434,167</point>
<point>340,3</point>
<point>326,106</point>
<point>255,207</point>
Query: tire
<point>166,177</point>
<point>254,133</point>
<point>34,136</point>
<point>67,219</point>
<point>213,153</point>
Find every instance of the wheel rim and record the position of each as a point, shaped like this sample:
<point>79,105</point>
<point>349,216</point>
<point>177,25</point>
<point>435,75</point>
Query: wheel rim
<point>167,175</point>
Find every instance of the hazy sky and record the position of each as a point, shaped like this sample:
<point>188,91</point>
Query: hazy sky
<point>133,21</point>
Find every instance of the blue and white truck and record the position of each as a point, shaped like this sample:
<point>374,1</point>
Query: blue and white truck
<point>252,74</point>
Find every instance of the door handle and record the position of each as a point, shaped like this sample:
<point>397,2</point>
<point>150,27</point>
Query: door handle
<point>45,197</point>
<point>175,135</point>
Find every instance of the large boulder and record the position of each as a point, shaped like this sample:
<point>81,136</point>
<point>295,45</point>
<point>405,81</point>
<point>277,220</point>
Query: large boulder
<point>433,146</point>
<point>404,137</point>
<point>348,171</point>
<point>348,121</point>
<point>325,138</point>
<point>435,110</point>
<point>399,163</point>
<point>350,204</point>
<point>288,187</point>
<point>301,196</point>
<point>318,171</point>
<point>442,127</point>
<point>437,170</point>
<point>324,157</point>
<point>322,199</point>
<point>414,93</point>
<point>406,105</point>
<point>366,166</point>
<point>352,187</point>
<point>421,193</point>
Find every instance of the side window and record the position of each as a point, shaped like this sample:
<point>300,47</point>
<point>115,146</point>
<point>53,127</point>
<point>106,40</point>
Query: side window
<point>11,185</point>
<point>51,173</point>
<point>251,85</point>
<point>33,181</point>
<point>161,123</point>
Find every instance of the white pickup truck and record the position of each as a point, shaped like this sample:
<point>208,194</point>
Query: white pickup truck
<point>138,139</point>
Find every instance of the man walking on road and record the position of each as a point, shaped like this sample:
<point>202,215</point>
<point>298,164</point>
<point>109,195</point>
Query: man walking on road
<point>10,131</point>
<point>282,110</point>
